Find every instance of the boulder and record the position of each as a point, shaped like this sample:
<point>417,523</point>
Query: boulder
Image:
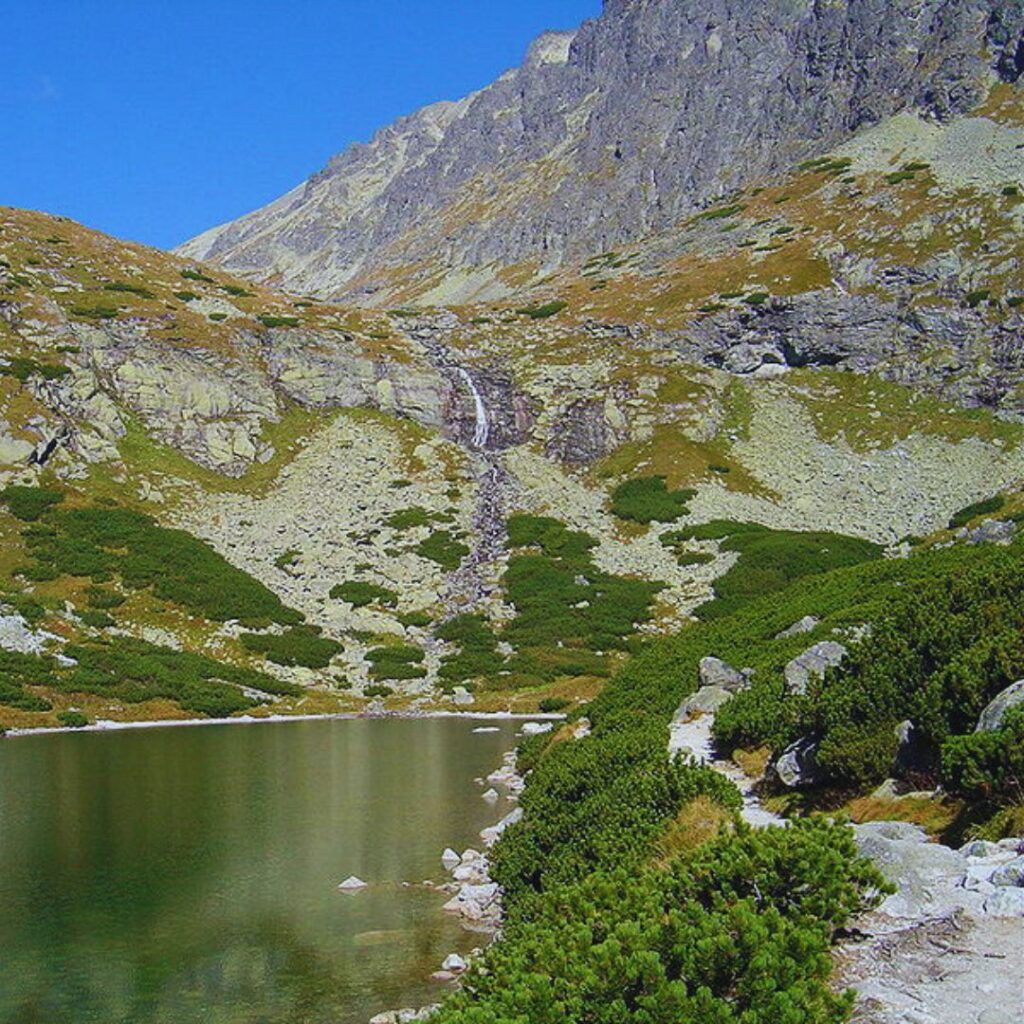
<point>929,877</point>
<point>806,625</point>
<point>707,700</point>
<point>352,884</point>
<point>14,451</point>
<point>715,672</point>
<point>813,663</point>
<point>536,728</point>
<point>454,963</point>
<point>798,766</point>
<point>911,750</point>
<point>992,717</point>
<point>980,848</point>
<point>1011,874</point>
<point>450,859</point>
<point>1005,902</point>
<point>992,531</point>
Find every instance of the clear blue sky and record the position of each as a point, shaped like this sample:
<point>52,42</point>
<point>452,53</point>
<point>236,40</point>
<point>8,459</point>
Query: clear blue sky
<point>155,119</point>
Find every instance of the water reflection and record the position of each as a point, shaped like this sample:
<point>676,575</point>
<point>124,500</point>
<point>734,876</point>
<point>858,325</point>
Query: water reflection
<point>189,874</point>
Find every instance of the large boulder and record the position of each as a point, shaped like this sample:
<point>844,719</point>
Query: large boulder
<point>992,717</point>
<point>706,701</point>
<point>929,876</point>
<point>813,663</point>
<point>715,672</point>
<point>798,766</point>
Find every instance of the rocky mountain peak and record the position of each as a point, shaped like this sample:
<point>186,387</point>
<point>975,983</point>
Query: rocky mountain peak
<point>641,117</point>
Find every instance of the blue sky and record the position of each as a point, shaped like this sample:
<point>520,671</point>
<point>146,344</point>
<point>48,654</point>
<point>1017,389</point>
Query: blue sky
<point>155,119</point>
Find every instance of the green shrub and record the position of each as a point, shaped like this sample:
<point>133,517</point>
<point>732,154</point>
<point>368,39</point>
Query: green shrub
<point>271,321</point>
<point>96,619</point>
<point>29,504</point>
<point>72,719</point>
<point>23,369</point>
<point>647,500</point>
<point>988,765</point>
<point>133,671</point>
<point>549,309</point>
<point>478,655</point>
<point>18,671</point>
<point>236,291</point>
<point>990,506</point>
<point>186,296</point>
<point>378,691</point>
<point>196,275</point>
<point>177,567</point>
<point>976,298</point>
<point>302,645</point>
<point>772,559</point>
<point>552,705</point>
<point>443,548</point>
<point>396,662</point>
<point>133,289</point>
<point>361,594</point>
<point>720,212</point>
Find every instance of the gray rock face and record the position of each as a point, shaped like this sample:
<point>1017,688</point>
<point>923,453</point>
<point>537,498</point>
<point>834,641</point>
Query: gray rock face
<point>861,333</point>
<point>715,672</point>
<point>707,700</point>
<point>813,663</point>
<point>992,717</point>
<point>798,766</point>
<point>806,625</point>
<point>668,103</point>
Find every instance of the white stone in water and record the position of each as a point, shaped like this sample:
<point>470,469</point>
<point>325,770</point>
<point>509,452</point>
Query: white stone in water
<point>450,859</point>
<point>491,796</point>
<point>486,729</point>
<point>453,962</point>
<point>536,728</point>
<point>352,884</point>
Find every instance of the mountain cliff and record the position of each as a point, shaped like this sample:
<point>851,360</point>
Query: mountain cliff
<point>612,133</point>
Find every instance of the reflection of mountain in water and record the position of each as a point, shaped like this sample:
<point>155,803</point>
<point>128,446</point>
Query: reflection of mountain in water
<point>189,874</point>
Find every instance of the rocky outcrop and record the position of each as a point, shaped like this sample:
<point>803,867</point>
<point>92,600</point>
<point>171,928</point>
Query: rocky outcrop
<point>992,717</point>
<point>813,664</point>
<point>982,362</point>
<point>797,766</point>
<point>666,103</point>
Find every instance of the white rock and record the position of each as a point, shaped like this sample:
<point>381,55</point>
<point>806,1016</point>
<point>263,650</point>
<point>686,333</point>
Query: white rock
<point>1006,901</point>
<point>450,859</point>
<point>536,728</point>
<point>352,884</point>
<point>454,963</point>
<point>491,796</point>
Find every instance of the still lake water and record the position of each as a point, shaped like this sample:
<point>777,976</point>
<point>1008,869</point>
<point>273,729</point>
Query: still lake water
<point>178,876</point>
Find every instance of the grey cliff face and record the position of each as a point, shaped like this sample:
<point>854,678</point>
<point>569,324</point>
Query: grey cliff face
<point>641,117</point>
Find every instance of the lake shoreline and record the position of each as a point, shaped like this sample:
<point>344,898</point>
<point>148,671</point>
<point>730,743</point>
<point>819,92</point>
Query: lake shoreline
<point>109,726</point>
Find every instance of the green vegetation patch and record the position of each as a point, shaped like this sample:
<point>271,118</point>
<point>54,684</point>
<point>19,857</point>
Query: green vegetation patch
<point>103,543</point>
<point>134,671</point>
<point>444,548</point>
<point>396,662</point>
<point>29,504</point>
<point>561,598</point>
<point>301,645</point>
<point>772,559</point>
<point>23,369</point>
<point>478,656</point>
<point>987,507</point>
<point>18,671</point>
<point>361,594</point>
<point>647,500</point>
<point>549,309</point>
<point>271,321</point>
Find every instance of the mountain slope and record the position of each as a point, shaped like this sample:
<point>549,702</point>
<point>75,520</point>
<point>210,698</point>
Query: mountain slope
<point>615,132</point>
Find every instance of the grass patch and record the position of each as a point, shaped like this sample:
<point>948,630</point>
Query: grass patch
<point>647,500</point>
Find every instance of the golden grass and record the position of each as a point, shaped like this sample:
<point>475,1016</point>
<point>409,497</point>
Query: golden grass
<point>697,823</point>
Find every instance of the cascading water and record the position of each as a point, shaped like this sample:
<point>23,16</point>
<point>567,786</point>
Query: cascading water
<point>482,430</point>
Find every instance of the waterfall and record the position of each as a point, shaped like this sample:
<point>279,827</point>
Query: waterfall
<point>483,428</point>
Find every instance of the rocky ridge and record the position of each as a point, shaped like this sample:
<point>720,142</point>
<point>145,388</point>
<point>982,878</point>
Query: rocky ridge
<point>641,100</point>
